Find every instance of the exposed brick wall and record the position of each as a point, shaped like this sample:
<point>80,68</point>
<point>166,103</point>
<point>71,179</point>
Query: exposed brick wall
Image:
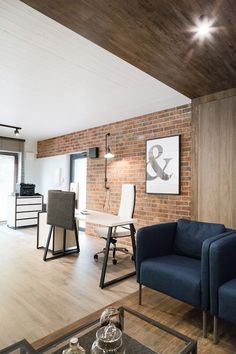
<point>128,143</point>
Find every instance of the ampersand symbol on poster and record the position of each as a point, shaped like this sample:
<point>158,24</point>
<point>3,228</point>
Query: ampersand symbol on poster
<point>158,170</point>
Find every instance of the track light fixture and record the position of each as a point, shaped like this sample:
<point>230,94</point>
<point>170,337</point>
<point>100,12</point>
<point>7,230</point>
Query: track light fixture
<point>16,132</point>
<point>16,129</point>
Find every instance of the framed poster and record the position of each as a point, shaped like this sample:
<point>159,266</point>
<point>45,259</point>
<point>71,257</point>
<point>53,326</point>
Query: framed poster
<point>163,165</point>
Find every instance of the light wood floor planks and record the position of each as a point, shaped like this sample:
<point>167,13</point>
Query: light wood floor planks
<point>37,298</point>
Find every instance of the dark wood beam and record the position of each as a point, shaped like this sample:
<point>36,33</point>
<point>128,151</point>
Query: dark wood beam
<point>154,36</point>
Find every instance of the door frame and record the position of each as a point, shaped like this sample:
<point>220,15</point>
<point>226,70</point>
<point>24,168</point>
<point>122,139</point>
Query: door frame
<point>73,157</point>
<point>16,165</point>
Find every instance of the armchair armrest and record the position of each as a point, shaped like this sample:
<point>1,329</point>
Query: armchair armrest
<point>205,297</point>
<point>154,241</point>
<point>222,260</point>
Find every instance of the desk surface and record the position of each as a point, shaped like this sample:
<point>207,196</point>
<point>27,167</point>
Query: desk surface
<point>105,219</point>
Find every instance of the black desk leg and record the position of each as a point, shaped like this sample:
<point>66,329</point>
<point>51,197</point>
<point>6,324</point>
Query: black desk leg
<point>104,266</point>
<point>64,242</point>
<point>76,237</point>
<point>47,244</point>
<point>132,233</point>
<point>103,284</point>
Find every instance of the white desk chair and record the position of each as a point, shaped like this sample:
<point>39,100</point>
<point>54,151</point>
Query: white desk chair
<point>127,203</point>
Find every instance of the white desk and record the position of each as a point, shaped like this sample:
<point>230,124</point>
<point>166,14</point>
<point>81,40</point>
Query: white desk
<point>110,221</point>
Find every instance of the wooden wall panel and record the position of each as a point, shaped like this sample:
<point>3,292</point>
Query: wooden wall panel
<point>214,159</point>
<point>156,37</point>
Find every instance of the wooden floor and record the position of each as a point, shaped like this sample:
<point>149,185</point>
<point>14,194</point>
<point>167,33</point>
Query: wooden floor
<point>37,298</point>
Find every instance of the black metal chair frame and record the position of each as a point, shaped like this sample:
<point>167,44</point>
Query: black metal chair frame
<point>114,248</point>
<point>64,251</point>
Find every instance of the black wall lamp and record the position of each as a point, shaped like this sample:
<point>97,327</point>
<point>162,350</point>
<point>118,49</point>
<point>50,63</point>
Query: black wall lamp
<point>16,129</point>
<point>108,155</point>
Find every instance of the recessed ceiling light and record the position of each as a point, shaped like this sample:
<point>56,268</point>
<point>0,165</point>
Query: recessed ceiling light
<point>203,28</point>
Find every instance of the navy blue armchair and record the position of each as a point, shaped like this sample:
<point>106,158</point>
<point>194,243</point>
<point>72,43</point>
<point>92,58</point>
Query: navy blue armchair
<point>173,258</point>
<point>222,260</point>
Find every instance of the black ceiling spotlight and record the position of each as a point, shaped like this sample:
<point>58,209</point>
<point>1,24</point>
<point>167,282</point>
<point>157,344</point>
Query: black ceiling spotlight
<point>16,132</point>
<point>16,129</point>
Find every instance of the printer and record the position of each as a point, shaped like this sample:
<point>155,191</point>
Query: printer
<point>25,189</point>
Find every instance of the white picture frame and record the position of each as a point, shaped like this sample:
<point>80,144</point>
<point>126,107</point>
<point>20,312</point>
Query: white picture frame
<point>163,165</point>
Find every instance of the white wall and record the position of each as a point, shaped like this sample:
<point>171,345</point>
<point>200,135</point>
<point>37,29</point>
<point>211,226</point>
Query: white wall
<point>31,146</point>
<point>48,173</point>
<point>32,172</point>
<point>30,163</point>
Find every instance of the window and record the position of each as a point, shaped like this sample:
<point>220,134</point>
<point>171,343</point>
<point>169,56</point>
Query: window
<point>8,180</point>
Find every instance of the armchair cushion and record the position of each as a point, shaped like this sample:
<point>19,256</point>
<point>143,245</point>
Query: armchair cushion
<point>227,301</point>
<point>191,234</point>
<point>154,241</point>
<point>174,275</point>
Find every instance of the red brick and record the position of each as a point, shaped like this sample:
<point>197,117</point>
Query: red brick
<point>127,142</point>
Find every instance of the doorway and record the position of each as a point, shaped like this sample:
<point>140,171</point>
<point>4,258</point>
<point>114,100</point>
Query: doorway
<point>8,179</point>
<point>78,174</point>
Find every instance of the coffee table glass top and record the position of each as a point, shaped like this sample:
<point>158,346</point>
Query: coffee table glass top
<point>141,335</point>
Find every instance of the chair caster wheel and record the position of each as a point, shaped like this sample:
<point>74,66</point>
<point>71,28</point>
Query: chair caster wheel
<point>95,257</point>
<point>114,261</point>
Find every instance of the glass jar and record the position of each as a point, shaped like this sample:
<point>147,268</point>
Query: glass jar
<point>74,347</point>
<point>108,341</point>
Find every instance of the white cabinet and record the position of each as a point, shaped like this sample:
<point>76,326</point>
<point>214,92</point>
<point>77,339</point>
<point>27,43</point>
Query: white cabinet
<point>23,211</point>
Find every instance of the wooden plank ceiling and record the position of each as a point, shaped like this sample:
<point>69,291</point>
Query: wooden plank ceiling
<point>154,36</point>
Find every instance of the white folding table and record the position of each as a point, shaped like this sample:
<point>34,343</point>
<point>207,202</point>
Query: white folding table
<point>110,221</point>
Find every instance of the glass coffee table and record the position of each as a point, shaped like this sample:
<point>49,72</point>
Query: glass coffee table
<point>22,347</point>
<point>141,335</point>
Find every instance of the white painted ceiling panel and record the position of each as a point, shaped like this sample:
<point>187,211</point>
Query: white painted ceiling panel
<point>54,81</point>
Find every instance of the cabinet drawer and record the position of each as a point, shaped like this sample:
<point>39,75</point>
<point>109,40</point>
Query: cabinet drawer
<point>27,215</point>
<point>26,222</point>
<point>36,200</point>
<point>33,207</point>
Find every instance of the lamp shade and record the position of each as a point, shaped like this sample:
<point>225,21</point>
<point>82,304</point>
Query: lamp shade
<point>108,154</point>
